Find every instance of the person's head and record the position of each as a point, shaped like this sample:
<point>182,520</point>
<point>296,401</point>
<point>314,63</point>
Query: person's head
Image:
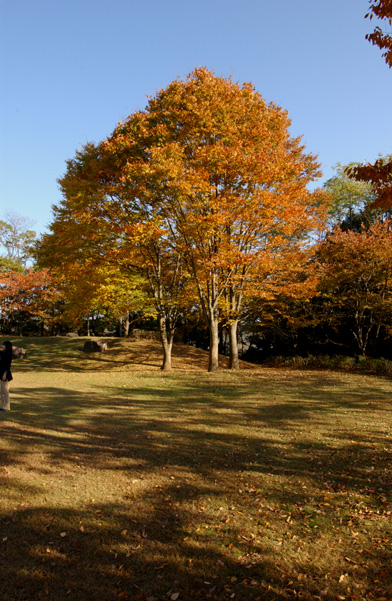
<point>7,347</point>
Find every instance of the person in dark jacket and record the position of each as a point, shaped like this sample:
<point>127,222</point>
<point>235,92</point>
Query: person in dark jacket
<point>5,374</point>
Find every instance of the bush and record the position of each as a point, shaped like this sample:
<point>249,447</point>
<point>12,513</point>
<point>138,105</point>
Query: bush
<point>336,362</point>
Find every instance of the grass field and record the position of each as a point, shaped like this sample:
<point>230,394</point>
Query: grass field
<point>121,482</point>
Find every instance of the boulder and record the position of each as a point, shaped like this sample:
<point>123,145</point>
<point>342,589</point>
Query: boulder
<point>95,346</point>
<point>18,352</point>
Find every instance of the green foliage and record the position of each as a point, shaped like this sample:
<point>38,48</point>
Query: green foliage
<point>7,264</point>
<point>351,200</point>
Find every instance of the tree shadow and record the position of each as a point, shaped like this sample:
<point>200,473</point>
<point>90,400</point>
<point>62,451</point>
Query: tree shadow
<point>183,449</point>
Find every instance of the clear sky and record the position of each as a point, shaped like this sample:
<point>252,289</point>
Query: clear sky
<point>72,69</point>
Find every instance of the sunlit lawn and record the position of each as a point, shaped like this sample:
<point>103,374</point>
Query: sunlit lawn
<point>119,482</point>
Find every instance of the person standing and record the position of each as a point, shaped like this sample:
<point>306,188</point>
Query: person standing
<point>5,374</point>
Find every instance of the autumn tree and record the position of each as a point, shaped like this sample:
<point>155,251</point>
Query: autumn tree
<point>80,255</point>
<point>104,221</point>
<point>217,164</point>
<point>281,308</point>
<point>356,281</point>
<point>24,295</point>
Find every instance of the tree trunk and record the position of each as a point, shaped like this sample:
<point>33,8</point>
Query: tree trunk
<point>166,335</point>
<point>233,356</point>
<point>361,336</point>
<point>126,326</point>
<point>167,346</point>
<point>213,364</point>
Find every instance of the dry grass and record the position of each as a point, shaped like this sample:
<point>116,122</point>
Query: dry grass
<point>120,482</point>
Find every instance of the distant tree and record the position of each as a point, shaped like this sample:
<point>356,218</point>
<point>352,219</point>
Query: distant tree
<point>17,239</point>
<point>7,264</point>
<point>25,295</point>
<point>282,307</point>
<point>351,201</point>
<point>356,281</point>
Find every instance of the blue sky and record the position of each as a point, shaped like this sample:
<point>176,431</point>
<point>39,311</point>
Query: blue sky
<point>72,69</point>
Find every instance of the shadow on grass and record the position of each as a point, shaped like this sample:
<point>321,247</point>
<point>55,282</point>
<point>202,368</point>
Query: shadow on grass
<point>211,427</point>
<point>66,554</point>
<point>201,461</point>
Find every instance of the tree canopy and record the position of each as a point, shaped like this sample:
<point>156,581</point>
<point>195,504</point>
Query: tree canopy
<point>208,180</point>
<point>356,276</point>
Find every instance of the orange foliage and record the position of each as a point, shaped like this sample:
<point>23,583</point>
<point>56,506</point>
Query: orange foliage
<point>217,164</point>
<point>356,274</point>
<point>379,175</point>
<point>382,9</point>
<point>29,291</point>
<point>202,190</point>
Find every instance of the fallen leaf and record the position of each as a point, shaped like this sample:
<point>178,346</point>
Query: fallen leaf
<point>63,534</point>
<point>174,596</point>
